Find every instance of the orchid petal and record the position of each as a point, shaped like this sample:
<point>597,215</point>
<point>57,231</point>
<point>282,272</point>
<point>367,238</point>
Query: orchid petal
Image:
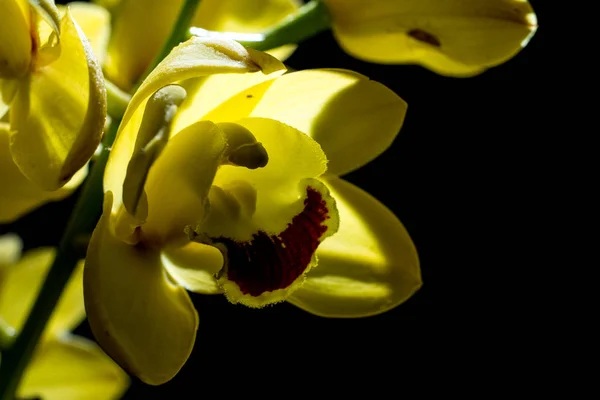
<point>23,281</point>
<point>178,182</point>
<point>354,119</point>
<point>450,37</point>
<point>269,221</point>
<point>57,116</point>
<point>95,24</point>
<point>15,38</point>
<point>191,59</point>
<point>141,318</point>
<point>194,266</point>
<point>21,195</point>
<point>370,266</point>
<point>72,368</point>
<point>138,32</point>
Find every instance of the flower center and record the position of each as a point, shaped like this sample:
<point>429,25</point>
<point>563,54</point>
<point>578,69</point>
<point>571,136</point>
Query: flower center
<point>271,262</point>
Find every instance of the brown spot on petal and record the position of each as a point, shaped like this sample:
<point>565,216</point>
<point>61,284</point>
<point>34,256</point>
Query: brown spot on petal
<point>424,37</point>
<point>271,262</point>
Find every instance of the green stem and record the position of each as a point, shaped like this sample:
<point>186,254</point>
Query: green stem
<point>117,100</point>
<point>83,220</point>
<point>309,20</point>
<point>178,35</point>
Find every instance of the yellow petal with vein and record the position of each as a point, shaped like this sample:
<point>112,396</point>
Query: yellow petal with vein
<point>95,24</point>
<point>368,267</point>
<point>58,113</point>
<point>354,119</point>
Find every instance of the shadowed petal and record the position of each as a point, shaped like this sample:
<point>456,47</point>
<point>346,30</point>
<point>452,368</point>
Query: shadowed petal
<point>141,318</point>
<point>368,267</point>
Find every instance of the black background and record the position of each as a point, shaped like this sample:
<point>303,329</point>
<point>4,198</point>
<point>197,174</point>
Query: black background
<point>462,177</point>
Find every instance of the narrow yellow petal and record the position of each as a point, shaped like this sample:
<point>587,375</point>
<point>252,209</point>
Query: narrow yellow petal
<point>191,59</point>
<point>367,268</point>
<point>138,315</point>
<point>15,38</point>
<point>451,37</point>
<point>51,140</point>
<point>95,24</point>
<point>20,195</point>
<point>72,368</point>
<point>354,119</point>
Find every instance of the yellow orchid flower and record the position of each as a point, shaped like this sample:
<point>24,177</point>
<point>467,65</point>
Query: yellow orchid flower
<point>21,195</point>
<point>64,366</point>
<point>451,37</point>
<point>140,28</point>
<point>223,184</point>
<point>54,87</point>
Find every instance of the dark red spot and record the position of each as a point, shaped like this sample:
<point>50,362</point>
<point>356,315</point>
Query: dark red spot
<point>268,262</point>
<point>424,37</point>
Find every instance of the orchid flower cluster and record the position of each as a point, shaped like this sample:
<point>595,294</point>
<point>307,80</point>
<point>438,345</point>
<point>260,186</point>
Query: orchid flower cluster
<point>207,167</point>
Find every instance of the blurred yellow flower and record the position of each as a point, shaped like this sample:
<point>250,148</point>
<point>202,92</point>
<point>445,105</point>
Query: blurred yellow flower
<point>140,28</point>
<point>229,183</point>
<point>52,86</point>
<point>450,37</point>
<point>64,366</point>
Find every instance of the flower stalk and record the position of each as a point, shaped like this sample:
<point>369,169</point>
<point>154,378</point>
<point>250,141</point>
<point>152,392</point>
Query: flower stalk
<point>309,20</point>
<point>83,219</point>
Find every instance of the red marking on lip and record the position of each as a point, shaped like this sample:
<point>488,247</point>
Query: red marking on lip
<point>271,262</point>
